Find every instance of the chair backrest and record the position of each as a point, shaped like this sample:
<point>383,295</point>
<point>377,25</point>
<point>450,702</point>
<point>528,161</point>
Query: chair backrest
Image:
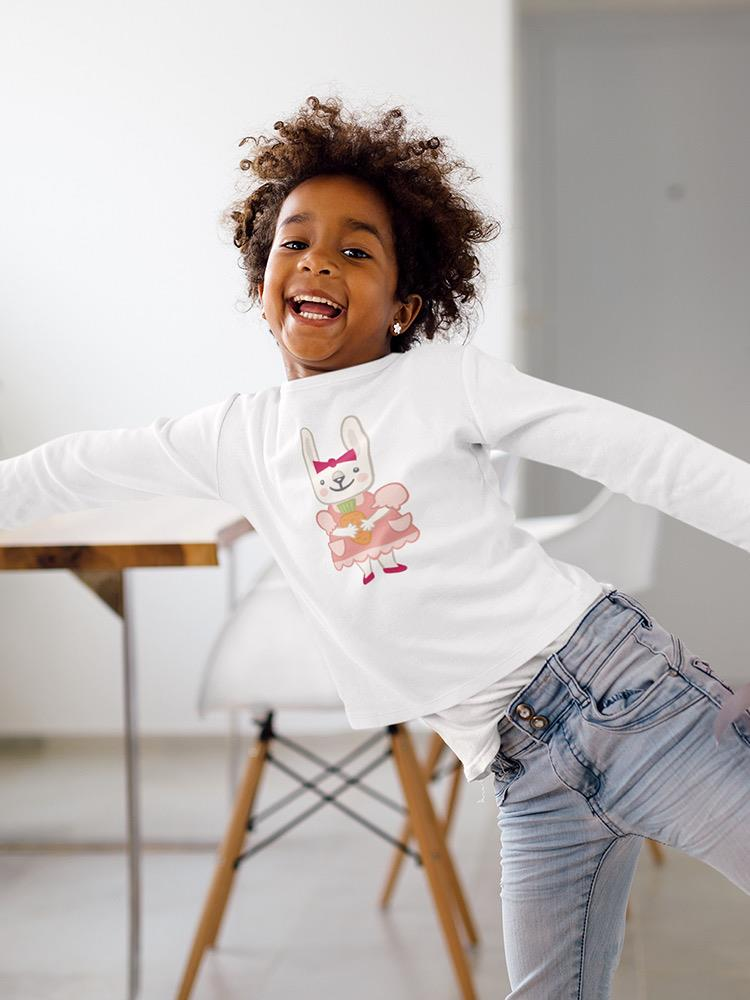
<point>613,538</point>
<point>266,655</point>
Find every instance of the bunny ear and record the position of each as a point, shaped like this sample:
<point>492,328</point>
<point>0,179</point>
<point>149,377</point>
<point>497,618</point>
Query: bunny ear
<point>309,451</point>
<point>731,710</point>
<point>352,433</point>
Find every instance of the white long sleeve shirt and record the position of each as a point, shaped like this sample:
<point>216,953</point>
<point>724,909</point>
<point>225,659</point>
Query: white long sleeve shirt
<point>373,488</point>
<point>470,728</point>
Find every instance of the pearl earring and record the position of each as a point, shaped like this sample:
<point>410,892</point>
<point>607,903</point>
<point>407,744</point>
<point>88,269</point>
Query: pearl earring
<point>396,329</point>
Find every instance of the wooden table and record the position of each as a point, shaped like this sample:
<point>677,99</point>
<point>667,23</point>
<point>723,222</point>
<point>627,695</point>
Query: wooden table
<point>99,546</point>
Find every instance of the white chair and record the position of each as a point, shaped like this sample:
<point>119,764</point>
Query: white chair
<point>266,662</point>
<point>612,538</point>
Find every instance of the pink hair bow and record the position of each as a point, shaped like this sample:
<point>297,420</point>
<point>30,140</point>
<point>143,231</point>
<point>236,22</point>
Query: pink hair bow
<point>348,456</point>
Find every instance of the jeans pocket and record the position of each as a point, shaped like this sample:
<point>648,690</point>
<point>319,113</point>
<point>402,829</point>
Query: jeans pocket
<point>640,682</point>
<point>506,770</point>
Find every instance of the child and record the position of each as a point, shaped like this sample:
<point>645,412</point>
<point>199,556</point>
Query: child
<point>367,473</point>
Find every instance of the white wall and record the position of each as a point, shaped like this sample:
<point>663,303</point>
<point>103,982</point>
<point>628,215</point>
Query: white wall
<point>636,141</point>
<point>118,293</point>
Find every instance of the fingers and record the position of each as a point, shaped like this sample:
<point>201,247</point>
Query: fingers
<point>732,709</point>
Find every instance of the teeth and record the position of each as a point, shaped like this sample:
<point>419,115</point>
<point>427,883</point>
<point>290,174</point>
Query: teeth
<point>316,298</point>
<point>308,315</point>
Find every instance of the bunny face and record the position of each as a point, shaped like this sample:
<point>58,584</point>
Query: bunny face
<point>346,475</point>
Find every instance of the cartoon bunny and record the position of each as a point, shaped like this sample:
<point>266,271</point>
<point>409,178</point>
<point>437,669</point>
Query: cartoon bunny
<point>362,527</point>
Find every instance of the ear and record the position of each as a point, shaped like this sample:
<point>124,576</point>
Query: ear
<point>408,312</point>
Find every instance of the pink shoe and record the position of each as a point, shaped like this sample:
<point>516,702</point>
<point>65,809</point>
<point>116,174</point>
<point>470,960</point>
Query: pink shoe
<point>394,569</point>
<point>368,578</point>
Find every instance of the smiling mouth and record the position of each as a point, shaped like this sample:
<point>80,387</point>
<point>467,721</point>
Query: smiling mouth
<point>341,488</point>
<point>305,316</point>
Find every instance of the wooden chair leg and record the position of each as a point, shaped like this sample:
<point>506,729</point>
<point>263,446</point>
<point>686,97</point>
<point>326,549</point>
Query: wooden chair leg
<point>456,782</point>
<point>229,850</point>
<point>657,853</point>
<point>443,826</point>
<point>398,857</point>
<point>441,875</point>
<point>434,752</point>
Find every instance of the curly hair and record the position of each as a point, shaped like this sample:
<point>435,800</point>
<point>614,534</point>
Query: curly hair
<point>435,227</point>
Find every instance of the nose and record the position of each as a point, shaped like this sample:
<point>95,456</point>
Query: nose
<point>315,260</point>
<point>317,270</point>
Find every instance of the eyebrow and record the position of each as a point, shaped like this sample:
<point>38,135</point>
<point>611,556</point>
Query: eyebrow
<point>349,223</point>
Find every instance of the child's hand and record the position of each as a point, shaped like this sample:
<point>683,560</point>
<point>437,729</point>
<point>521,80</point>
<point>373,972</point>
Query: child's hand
<point>732,709</point>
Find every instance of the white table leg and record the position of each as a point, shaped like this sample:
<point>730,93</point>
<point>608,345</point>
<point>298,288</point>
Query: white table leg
<point>132,785</point>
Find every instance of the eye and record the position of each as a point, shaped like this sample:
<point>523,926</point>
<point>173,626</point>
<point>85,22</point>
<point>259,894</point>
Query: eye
<point>355,249</point>
<point>355,469</point>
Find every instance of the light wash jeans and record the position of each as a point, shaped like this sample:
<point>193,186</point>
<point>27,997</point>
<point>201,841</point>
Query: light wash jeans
<point>610,743</point>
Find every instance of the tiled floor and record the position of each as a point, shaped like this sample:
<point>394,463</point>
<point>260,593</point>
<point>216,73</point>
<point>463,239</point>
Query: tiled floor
<point>304,916</point>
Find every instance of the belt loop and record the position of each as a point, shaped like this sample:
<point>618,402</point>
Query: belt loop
<point>579,695</point>
<point>635,605</point>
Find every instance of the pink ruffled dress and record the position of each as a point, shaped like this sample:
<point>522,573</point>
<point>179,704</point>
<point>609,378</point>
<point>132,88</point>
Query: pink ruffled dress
<point>391,531</point>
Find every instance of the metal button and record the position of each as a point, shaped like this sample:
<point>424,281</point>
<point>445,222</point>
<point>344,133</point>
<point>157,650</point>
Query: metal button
<point>540,721</point>
<point>525,711</point>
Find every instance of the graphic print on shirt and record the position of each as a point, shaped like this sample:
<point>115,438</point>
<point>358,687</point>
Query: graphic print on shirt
<point>362,527</point>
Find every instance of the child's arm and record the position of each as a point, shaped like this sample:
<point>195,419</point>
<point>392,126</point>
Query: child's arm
<point>172,456</point>
<point>646,458</point>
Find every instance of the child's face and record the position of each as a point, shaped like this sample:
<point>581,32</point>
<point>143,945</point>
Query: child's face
<point>350,266</point>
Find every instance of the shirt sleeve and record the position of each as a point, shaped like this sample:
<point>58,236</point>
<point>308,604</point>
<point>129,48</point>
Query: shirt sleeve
<point>648,459</point>
<point>171,456</point>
